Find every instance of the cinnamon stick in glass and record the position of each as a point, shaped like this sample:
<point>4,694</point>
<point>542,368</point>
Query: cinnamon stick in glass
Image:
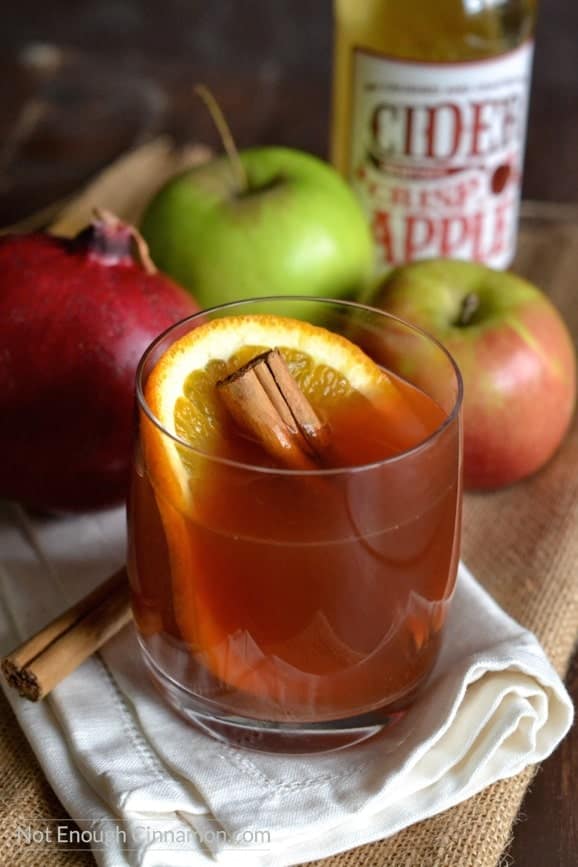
<point>266,401</point>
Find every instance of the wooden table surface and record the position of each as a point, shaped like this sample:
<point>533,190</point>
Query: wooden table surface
<point>130,75</point>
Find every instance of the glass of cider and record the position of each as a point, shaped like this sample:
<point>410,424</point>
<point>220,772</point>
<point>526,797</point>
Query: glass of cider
<point>291,596</point>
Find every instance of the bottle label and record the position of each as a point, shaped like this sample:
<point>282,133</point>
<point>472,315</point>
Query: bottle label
<point>437,154</point>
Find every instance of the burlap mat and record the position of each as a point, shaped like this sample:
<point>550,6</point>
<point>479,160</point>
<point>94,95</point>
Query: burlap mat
<point>521,543</point>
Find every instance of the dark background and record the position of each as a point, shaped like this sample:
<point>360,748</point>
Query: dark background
<point>268,61</point>
<point>128,72</point>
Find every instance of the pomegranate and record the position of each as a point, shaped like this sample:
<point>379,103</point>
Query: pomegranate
<point>75,317</point>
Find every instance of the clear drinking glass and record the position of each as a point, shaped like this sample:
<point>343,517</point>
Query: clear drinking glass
<point>301,610</point>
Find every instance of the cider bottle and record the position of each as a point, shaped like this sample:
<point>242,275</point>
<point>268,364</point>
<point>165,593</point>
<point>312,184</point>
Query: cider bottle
<point>430,102</point>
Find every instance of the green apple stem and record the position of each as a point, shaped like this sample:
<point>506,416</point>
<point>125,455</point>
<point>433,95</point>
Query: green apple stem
<point>224,131</point>
<point>469,307</point>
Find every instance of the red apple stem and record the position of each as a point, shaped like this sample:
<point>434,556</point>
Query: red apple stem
<point>469,308</point>
<point>226,135</point>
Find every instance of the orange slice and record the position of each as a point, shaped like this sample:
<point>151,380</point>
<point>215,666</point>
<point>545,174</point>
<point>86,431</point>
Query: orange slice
<point>181,390</point>
<point>332,372</point>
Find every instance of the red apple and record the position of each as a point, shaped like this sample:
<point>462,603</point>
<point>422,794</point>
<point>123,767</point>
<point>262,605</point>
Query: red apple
<point>516,356</point>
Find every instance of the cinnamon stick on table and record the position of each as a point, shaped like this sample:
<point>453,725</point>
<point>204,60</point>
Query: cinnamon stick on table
<point>266,401</point>
<point>39,664</point>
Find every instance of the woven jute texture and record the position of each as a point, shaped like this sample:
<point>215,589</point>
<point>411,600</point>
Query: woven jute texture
<point>521,543</point>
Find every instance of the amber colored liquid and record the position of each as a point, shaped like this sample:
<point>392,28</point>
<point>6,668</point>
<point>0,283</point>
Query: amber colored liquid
<point>298,598</point>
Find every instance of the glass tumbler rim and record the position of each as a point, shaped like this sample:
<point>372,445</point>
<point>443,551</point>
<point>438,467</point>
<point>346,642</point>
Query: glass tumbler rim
<point>427,442</point>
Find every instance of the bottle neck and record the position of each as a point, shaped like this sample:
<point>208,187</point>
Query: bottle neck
<point>440,31</point>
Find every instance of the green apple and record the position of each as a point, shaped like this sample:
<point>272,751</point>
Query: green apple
<point>296,229</point>
<point>516,357</point>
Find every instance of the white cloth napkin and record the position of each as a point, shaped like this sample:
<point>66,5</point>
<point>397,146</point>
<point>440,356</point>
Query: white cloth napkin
<point>150,790</point>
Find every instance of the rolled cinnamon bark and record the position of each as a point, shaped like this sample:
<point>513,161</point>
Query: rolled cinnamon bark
<point>265,401</point>
<point>37,666</point>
